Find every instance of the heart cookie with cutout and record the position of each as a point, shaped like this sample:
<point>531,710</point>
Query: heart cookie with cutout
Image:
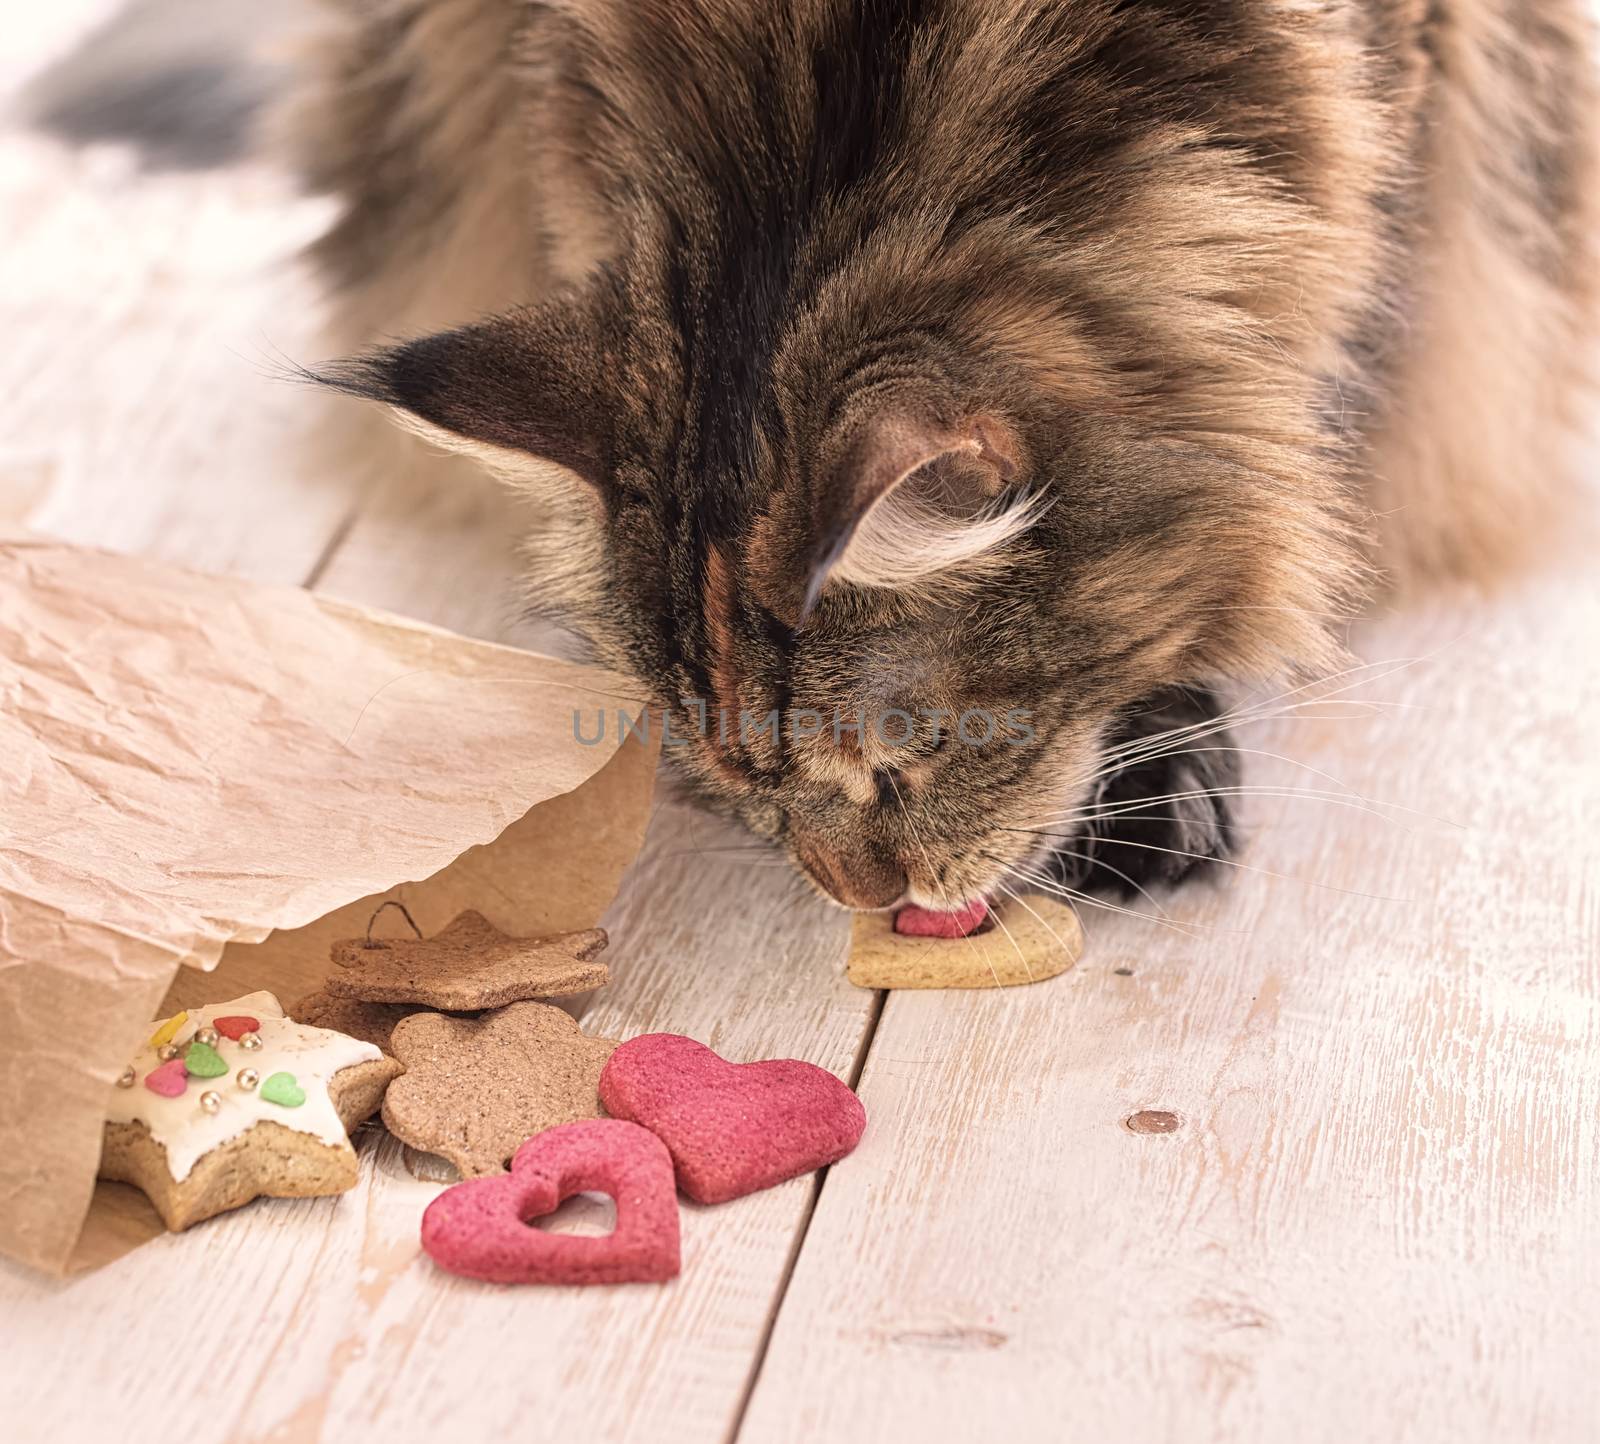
<point>483,1228</point>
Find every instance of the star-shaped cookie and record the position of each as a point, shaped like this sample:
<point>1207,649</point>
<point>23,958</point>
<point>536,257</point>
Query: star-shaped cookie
<point>251,1104</point>
<point>475,1088</point>
<point>468,966</point>
<point>371,1022</point>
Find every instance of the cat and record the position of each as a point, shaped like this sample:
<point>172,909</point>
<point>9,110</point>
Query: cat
<point>1029,375</point>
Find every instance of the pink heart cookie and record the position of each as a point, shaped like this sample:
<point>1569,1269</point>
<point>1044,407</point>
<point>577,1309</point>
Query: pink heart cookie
<point>732,1128</point>
<point>481,1228</point>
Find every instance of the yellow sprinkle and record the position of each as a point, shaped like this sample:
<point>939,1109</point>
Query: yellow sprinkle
<point>168,1030</point>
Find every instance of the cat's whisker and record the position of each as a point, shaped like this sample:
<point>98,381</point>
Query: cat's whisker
<point>944,896</point>
<point>1132,882</point>
<point>1226,862</point>
<point>1021,901</point>
<point>1274,756</point>
<point>1373,805</point>
<point>1350,677</point>
<point>1156,744</point>
<point>1044,882</point>
<point>1050,885</point>
<point>1138,804</point>
<point>1392,665</point>
<point>1162,744</point>
<point>1274,706</point>
<point>1016,947</point>
<point>1340,783</point>
<point>1152,745</point>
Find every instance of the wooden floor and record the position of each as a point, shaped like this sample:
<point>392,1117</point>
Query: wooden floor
<point>1377,1216</point>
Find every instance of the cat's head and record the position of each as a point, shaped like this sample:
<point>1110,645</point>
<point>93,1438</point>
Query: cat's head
<point>902,447</point>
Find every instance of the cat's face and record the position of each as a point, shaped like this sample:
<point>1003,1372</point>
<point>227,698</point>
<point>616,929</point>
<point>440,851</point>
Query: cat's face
<point>890,620</point>
<point>914,363</point>
<point>905,694</point>
<point>896,748</point>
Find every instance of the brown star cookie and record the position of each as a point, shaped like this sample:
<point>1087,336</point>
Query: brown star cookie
<point>475,1088</point>
<point>468,966</point>
<point>371,1022</point>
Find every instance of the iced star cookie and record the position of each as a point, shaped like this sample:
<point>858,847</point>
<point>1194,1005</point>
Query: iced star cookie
<point>234,1101</point>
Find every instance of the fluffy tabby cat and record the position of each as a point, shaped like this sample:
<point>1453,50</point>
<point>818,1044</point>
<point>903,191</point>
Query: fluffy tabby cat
<point>1070,359</point>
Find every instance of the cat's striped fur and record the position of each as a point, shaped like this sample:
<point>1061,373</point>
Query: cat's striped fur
<point>1238,299</point>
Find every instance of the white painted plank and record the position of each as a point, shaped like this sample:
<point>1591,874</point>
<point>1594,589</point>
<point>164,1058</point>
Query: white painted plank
<point>140,408</point>
<point>1380,1215</point>
<point>438,536</point>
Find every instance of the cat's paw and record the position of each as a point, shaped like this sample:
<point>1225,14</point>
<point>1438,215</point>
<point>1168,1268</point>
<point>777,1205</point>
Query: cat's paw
<point>1167,814</point>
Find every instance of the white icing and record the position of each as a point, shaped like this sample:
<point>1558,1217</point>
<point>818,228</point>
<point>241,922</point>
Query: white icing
<point>187,1132</point>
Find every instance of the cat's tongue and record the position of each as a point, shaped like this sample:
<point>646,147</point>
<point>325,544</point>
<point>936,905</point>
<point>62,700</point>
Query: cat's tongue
<point>914,922</point>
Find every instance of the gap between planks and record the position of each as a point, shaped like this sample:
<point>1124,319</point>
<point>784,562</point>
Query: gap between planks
<point>803,1228</point>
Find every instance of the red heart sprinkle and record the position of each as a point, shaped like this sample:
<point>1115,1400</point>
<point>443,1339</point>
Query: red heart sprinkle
<point>236,1025</point>
<point>732,1128</point>
<point>914,922</point>
<point>169,1080</point>
<point>481,1228</point>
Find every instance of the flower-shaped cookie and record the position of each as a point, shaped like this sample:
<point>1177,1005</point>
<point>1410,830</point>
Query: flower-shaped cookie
<point>475,1088</point>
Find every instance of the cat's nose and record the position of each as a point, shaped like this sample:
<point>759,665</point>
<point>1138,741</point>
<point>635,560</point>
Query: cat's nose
<point>875,891</point>
<point>856,877</point>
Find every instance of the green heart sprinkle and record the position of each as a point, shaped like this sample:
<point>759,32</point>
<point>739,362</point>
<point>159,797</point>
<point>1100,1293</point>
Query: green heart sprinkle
<point>201,1060</point>
<point>281,1089</point>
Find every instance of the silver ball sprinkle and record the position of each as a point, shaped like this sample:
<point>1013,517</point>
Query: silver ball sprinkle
<point>208,1036</point>
<point>248,1078</point>
<point>211,1100</point>
<point>250,1041</point>
<point>126,1081</point>
<point>167,1052</point>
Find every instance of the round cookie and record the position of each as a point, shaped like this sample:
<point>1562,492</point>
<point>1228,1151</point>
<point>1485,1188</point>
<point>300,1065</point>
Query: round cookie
<point>1030,941</point>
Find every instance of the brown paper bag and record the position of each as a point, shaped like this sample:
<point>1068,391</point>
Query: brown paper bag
<point>204,781</point>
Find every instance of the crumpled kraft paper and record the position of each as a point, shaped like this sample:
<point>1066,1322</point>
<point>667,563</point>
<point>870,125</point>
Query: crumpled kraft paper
<point>203,782</point>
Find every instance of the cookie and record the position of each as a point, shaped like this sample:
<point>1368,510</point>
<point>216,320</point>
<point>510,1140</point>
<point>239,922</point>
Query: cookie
<point>731,1128</point>
<point>1029,942</point>
<point>469,966</point>
<point>480,1228</point>
<point>371,1022</point>
<point>475,1088</point>
<point>262,1109</point>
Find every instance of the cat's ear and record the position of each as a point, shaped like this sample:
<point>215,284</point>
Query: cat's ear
<point>908,497</point>
<point>521,385</point>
